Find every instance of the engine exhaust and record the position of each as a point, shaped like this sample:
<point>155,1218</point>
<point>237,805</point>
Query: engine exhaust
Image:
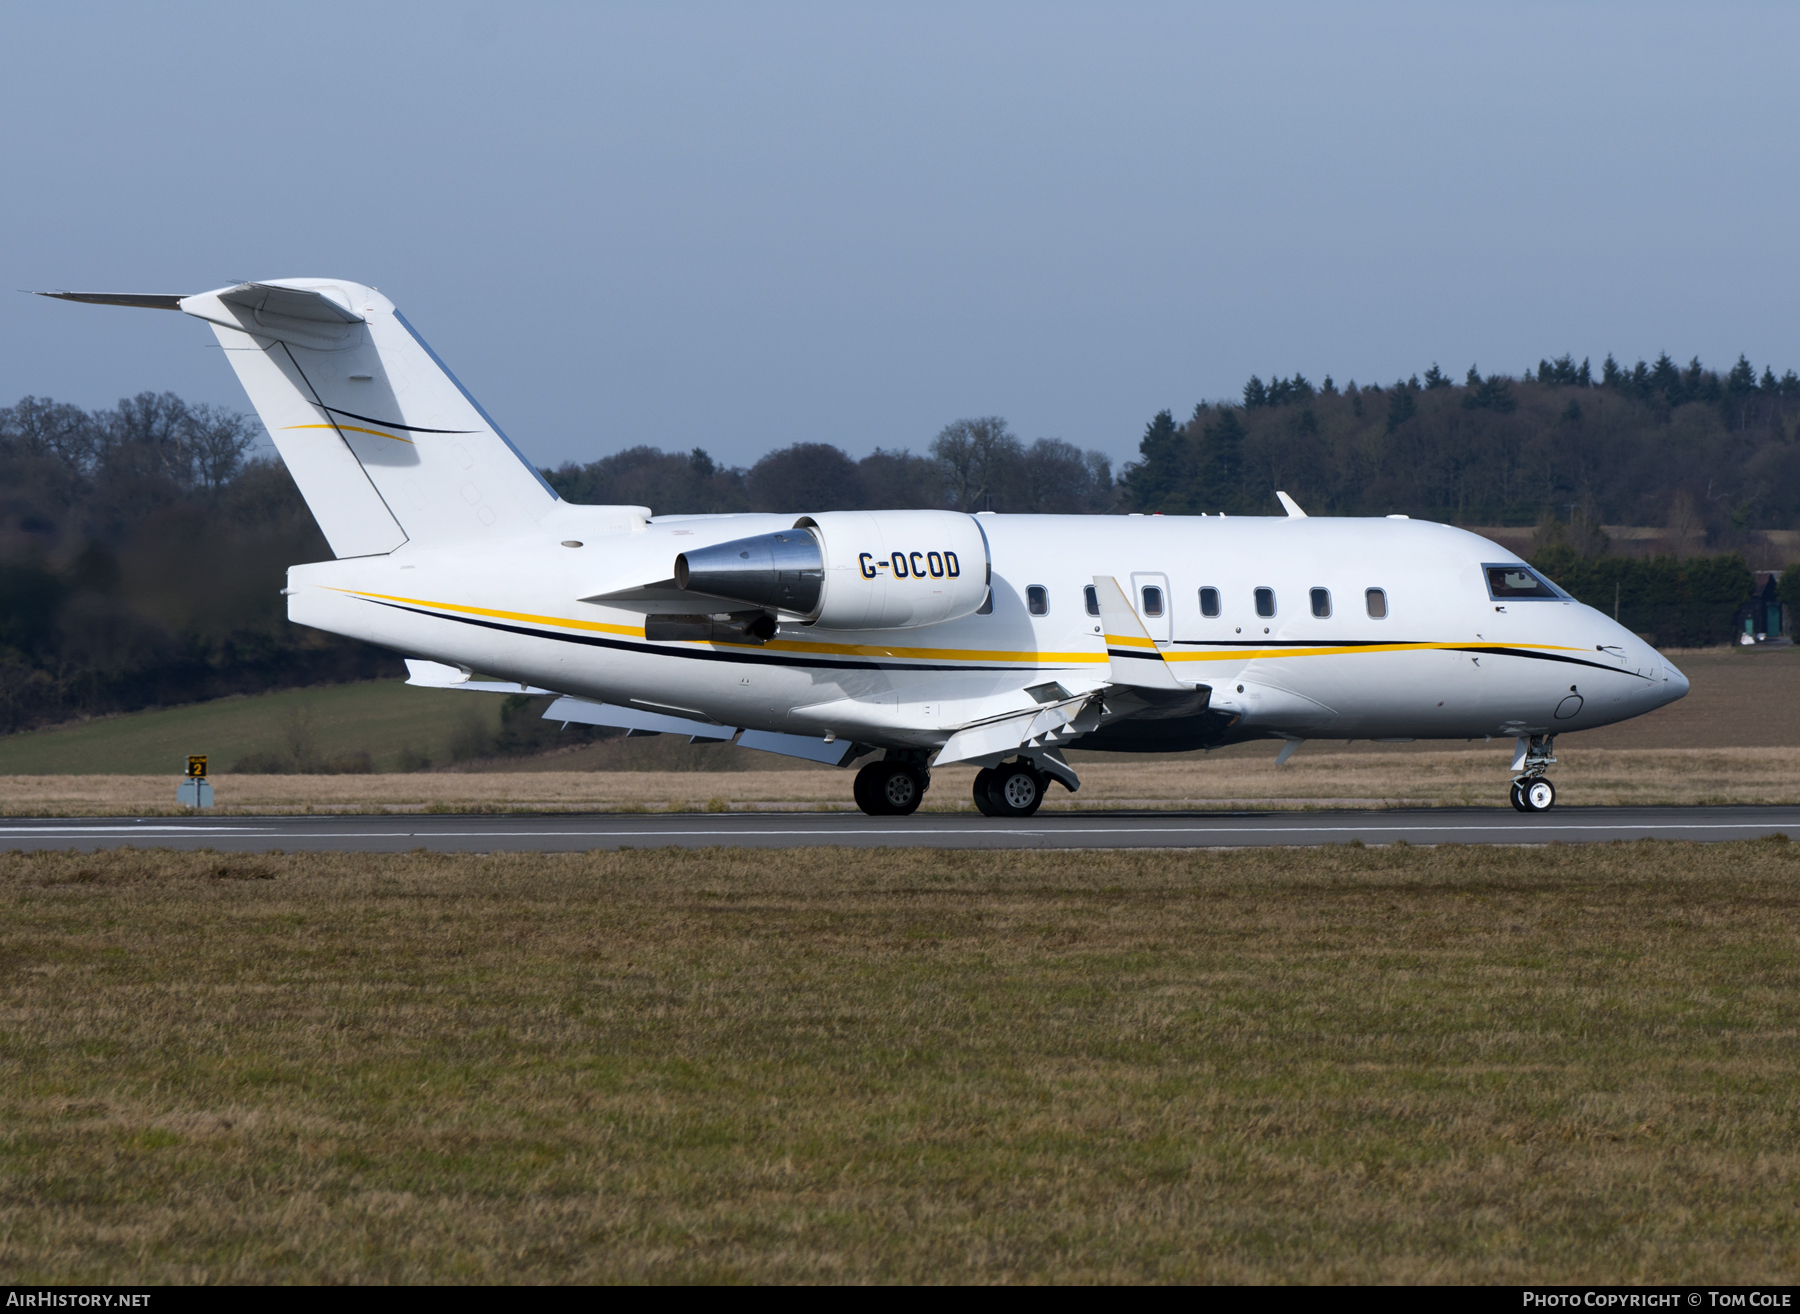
<point>783,571</point>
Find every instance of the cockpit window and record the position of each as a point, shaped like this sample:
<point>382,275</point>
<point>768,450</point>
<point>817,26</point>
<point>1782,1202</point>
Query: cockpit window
<point>1510,583</point>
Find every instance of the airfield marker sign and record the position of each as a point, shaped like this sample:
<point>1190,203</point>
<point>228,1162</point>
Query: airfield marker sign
<point>196,791</point>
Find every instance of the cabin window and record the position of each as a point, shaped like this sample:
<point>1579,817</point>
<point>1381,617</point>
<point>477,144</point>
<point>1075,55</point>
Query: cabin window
<point>1377,600</point>
<point>1153,600</point>
<point>1092,599</point>
<point>1265,603</point>
<point>1037,600</point>
<point>1209,602</point>
<point>1321,603</point>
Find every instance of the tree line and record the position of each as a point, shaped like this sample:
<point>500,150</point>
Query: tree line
<point>1712,455</point>
<point>142,547</point>
<point>142,551</point>
<point>971,465</point>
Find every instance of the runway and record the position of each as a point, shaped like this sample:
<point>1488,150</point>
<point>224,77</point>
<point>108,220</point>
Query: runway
<point>563,833</point>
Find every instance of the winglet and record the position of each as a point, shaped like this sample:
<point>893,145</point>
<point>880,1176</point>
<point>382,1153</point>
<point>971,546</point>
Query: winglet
<point>1289,505</point>
<point>1135,658</point>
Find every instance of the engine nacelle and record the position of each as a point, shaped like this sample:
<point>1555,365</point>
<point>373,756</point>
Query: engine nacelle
<point>852,570</point>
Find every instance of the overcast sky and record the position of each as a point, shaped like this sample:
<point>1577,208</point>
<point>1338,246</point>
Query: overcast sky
<point>748,225</point>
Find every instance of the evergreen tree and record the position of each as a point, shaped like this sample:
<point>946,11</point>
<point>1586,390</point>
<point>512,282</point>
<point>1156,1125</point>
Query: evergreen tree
<point>1768,387</point>
<point>1328,388</point>
<point>1742,379</point>
<point>1609,372</point>
<point>1401,407</point>
<point>1436,378</point>
<point>1665,378</point>
<point>1221,486</point>
<point>1156,482</point>
<point>1585,376</point>
<point>1489,394</point>
<point>1255,394</point>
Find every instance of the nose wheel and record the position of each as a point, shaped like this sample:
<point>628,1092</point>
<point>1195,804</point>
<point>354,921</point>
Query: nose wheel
<point>1533,794</point>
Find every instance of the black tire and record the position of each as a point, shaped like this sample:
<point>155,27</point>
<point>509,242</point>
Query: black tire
<point>984,781</point>
<point>900,790</point>
<point>1517,795</point>
<point>1016,790</point>
<point>1539,795</point>
<point>867,789</point>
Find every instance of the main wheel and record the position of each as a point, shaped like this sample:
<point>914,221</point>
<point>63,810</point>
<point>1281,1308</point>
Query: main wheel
<point>902,788</point>
<point>1016,790</point>
<point>1539,795</point>
<point>1517,795</point>
<point>984,781</point>
<point>867,789</point>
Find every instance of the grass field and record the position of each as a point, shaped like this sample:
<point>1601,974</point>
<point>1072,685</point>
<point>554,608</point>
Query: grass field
<point>1355,1065</point>
<point>1318,777</point>
<point>1735,738</point>
<point>1740,699</point>
<point>385,718</point>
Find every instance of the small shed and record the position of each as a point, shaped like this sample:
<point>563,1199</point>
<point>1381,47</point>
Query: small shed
<point>1762,617</point>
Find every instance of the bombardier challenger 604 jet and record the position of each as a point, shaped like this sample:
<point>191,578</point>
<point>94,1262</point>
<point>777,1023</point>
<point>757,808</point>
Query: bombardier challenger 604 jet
<point>927,637</point>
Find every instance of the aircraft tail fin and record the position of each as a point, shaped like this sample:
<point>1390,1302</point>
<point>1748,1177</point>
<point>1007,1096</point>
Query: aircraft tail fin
<point>386,446</point>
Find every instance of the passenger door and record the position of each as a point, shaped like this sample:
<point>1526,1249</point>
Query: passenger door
<point>1155,606</point>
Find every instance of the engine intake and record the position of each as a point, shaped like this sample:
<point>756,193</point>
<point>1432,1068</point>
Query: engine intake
<point>851,570</point>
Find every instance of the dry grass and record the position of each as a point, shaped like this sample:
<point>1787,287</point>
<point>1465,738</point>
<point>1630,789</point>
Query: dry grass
<point>1316,777</point>
<point>1355,1065</point>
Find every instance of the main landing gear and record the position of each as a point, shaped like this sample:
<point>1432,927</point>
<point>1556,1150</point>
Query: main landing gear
<point>1531,790</point>
<point>893,788</point>
<point>1012,789</point>
<point>896,786</point>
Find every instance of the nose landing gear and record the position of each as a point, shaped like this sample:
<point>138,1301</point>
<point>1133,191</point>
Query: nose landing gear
<point>1533,795</point>
<point>1531,790</point>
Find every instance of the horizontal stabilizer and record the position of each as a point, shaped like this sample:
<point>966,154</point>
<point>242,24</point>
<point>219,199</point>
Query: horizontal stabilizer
<point>1135,659</point>
<point>141,300</point>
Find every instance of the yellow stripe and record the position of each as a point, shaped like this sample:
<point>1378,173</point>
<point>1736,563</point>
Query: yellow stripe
<point>925,654</point>
<point>1127,641</point>
<point>779,645</point>
<point>1325,650</point>
<point>352,428</point>
<point>941,654</point>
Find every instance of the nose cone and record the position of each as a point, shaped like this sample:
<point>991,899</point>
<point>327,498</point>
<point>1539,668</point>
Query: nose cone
<point>1674,684</point>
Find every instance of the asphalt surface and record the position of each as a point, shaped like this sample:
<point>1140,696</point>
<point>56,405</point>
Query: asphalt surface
<point>561,833</point>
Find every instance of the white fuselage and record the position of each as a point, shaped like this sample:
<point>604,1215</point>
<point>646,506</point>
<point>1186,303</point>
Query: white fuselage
<point>1445,661</point>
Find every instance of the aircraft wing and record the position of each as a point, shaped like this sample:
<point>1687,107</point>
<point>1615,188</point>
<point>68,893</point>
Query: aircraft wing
<point>1043,727</point>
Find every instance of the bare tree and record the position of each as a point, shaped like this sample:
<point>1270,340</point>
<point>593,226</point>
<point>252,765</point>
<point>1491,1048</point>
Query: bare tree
<point>978,456</point>
<point>40,427</point>
<point>217,441</point>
